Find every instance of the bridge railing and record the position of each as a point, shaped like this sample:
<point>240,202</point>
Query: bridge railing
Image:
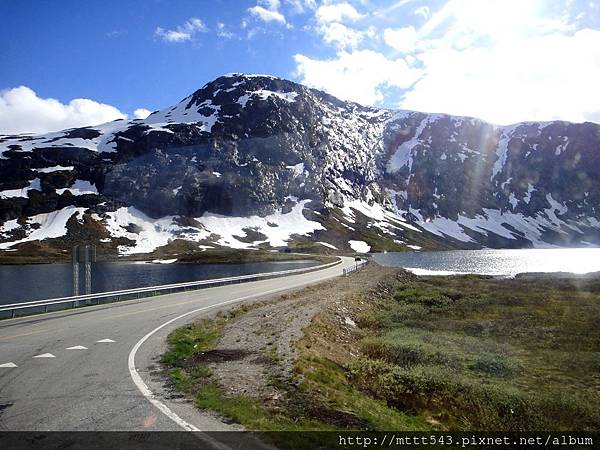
<point>38,306</point>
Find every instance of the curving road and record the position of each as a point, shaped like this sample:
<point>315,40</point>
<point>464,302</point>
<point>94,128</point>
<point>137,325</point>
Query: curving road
<point>92,368</point>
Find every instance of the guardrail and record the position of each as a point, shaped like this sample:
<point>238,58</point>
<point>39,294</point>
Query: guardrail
<point>55,304</point>
<point>354,268</point>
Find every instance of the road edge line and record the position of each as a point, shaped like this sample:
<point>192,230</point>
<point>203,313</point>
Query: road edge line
<point>143,387</point>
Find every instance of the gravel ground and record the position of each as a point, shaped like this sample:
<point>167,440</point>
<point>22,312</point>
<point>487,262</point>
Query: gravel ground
<point>257,349</point>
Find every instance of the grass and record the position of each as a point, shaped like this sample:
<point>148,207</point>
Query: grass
<point>460,353</point>
<point>194,378</point>
<point>484,354</point>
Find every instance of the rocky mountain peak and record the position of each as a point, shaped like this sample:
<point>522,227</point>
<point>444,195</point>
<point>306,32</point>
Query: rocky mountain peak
<point>260,150</point>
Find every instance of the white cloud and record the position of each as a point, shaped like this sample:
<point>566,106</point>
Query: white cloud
<point>470,57</point>
<point>183,32</point>
<point>223,32</point>
<point>402,39</point>
<point>359,76</point>
<point>422,11</point>
<point>267,15</point>
<point>340,35</point>
<point>268,11</point>
<point>141,113</point>
<point>300,6</point>
<point>273,5</point>
<point>481,59</point>
<point>22,111</point>
<point>337,12</point>
<point>537,78</point>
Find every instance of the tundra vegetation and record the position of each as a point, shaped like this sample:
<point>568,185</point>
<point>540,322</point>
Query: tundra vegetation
<point>402,352</point>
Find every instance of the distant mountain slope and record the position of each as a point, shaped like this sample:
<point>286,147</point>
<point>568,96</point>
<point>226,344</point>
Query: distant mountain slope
<point>253,161</point>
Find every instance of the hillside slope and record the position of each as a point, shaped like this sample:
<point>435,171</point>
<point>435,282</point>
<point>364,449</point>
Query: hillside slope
<point>253,161</point>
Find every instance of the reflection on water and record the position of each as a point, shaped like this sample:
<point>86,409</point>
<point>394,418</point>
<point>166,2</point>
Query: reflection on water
<point>496,262</point>
<point>42,281</point>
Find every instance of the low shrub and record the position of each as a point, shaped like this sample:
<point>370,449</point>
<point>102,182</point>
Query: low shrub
<point>494,364</point>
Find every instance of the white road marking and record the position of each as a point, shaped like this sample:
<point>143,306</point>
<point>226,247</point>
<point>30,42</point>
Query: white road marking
<point>45,355</point>
<point>143,387</point>
<point>10,364</point>
<point>77,347</point>
<point>105,341</point>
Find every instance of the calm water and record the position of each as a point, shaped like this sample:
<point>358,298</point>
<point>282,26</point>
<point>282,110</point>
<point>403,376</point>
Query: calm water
<point>495,262</point>
<point>42,281</point>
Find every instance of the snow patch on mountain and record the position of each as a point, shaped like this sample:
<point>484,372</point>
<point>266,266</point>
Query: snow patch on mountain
<point>506,134</point>
<point>49,225</point>
<point>231,228</point>
<point>506,224</point>
<point>55,169</point>
<point>530,190</point>
<point>328,245</point>
<point>359,246</point>
<point>23,192</point>
<point>403,155</point>
<point>148,234</point>
<point>79,187</point>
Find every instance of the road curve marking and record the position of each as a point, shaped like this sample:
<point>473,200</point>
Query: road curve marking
<point>9,364</point>
<point>143,387</point>
<point>77,347</point>
<point>45,355</point>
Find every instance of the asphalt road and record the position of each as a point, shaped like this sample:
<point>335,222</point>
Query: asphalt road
<point>49,382</point>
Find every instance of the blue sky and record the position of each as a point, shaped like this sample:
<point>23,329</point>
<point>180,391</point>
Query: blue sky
<point>501,60</point>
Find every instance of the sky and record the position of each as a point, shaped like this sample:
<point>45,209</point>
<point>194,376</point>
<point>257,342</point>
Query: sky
<point>72,63</point>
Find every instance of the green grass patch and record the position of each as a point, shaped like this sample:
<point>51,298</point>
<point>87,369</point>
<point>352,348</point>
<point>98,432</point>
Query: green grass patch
<point>194,378</point>
<point>484,354</point>
<point>191,340</point>
<point>460,353</point>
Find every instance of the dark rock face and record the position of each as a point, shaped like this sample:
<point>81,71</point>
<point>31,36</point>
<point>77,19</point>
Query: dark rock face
<point>546,172</point>
<point>254,145</point>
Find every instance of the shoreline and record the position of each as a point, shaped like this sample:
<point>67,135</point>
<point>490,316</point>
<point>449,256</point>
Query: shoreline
<point>226,256</point>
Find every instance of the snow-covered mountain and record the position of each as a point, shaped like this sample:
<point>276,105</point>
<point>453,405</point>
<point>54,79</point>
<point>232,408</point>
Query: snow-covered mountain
<point>253,161</point>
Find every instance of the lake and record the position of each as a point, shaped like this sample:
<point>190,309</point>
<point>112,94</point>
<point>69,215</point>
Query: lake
<point>495,262</point>
<point>20,283</point>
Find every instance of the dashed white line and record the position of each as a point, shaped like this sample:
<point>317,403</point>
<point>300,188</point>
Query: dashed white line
<point>45,355</point>
<point>77,347</point>
<point>9,364</point>
<point>105,341</point>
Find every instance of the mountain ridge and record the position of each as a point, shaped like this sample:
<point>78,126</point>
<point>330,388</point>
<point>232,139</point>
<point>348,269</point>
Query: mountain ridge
<point>251,161</point>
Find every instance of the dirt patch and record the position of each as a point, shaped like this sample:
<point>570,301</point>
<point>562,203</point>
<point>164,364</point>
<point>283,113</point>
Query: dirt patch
<point>255,355</point>
<point>338,418</point>
<point>219,356</point>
